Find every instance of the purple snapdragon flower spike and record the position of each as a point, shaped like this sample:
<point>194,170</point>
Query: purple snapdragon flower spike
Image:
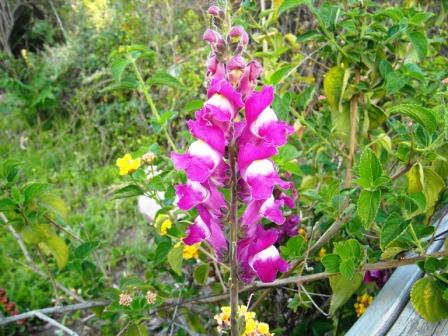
<point>255,136</point>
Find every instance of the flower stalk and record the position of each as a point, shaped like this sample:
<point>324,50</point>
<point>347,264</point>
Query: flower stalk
<point>233,241</point>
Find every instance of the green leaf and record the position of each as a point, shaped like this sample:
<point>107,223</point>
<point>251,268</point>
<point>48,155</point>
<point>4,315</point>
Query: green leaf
<point>415,177</point>
<point>433,185</point>
<point>130,190</point>
<point>44,236</point>
<point>394,83</point>
<point>367,207</point>
<point>331,262</point>
<point>85,249</point>
<point>349,249</point>
<point>54,204</point>
<point>7,204</point>
<point>427,299</point>
<point>334,86</point>
<point>118,66</point>
<point>347,268</point>
<point>394,226</point>
<point>175,258</point>
<point>424,116</point>
<point>34,190</point>
<point>369,167</point>
<point>137,330</point>
<point>289,4</point>
<point>162,123</point>
<point>343,288</point>
<point>278,75</point>
<point>420,44</point>
<point>200,274</point>
<point>193,105</point>
<point>164,78</point>
<point>127,84</point>
<point>295,248</point>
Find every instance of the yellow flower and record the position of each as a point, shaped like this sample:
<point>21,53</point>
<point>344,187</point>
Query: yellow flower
<point>303,233</point>
<point>362,302</point>
<point>191,251</point>
<point>165,226</point>
<point>263,328</point>
<point>127,165</point>
<point>251,326</point>
<point>322,253</point>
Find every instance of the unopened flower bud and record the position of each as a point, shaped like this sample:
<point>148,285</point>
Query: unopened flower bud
<point>214,11</point>
<point>148,158</point>
<point>215,69</point>
<point>235,33</point>
<point>236,69</point>
<point>125,299</point>
<point>210,36</point>
<point>151,297</point>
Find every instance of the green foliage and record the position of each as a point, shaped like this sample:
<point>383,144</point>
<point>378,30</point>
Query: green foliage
<point>427,299</point>
<point>343,288</point>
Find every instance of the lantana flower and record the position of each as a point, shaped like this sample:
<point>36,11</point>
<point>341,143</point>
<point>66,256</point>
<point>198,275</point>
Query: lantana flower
<point>127,164</point>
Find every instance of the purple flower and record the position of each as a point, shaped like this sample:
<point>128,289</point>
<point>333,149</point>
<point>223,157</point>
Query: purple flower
<point>264,194</point>
<point>378,276</point>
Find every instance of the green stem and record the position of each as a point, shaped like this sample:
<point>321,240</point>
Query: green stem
<point>233,281</point>
<point>416,240</point>
<point>150,101</point>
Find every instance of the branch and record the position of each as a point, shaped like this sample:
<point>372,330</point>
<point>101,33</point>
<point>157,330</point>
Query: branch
<point>55,323</point>
<point>55,310</point>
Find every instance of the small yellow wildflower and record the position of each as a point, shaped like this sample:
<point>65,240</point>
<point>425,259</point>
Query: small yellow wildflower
<point>362,302</point>
<point>165,226</point>
<point>191,251</point>
<point>251,326</point>
<point>302,232</point>
<point>263,328</point>
<point>127,165</point>
<point>322,253</point>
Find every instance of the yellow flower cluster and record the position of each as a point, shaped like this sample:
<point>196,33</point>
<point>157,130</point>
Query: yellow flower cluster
<point>362,302</point>
<point>252,327</point>
<point>165,226</point>
<point>127,165</point>
<point>191,251</point>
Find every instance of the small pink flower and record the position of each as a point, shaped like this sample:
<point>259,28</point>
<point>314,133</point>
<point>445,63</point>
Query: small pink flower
<point>214,11</point>
<point>151,297</point>
<point>125,299</point>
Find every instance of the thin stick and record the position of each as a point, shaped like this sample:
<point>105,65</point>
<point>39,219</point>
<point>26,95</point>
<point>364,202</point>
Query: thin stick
<point>55,310</point>
<point>50,275</point>
<point>299,279</point>
<point>55,323</point>
<point>353,131</point>
<point>233,281</point>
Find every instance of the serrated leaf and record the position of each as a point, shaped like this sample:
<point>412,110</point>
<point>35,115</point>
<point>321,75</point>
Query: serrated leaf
<point>420,44</point>
<point>175,258</point>
<point>54,204</point>
<point>343,288</point>
<point>200,274</point>
<point>57,247</point>
<point>7,204</point>
<point>164,78</point>
<point>433,185</point>
<point>369,167</point>
<point>367,206</point>
<point>331,262</point>
<point>424,116</point>
<point>347,268</point>
<point>393,227</point>
<point>34,190</point>
<point>415,177</point>
<point>427,300</point>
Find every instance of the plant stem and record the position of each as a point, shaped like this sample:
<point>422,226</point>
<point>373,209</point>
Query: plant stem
<point>353,131</point>
<point>233,281</point>
<point>150,101</point>
<point>50,275</point>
